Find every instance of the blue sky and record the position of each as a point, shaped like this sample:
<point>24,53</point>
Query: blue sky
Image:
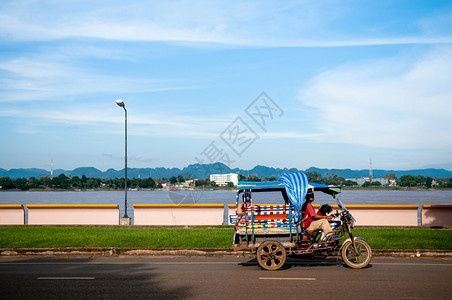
<point>343,82</point>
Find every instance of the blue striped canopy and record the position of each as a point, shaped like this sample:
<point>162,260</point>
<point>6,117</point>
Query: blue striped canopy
<point>296,185</point>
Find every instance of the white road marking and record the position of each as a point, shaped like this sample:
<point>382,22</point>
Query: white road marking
<point>287,278</point>
<point>66,278</point>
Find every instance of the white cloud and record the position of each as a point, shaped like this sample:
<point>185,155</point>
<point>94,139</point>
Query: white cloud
<point>391,103</point>
<point>106,120</point>
<point>242,23</point>
<point>38,78</point>
<point>290,135</point>
<point>92,115</point>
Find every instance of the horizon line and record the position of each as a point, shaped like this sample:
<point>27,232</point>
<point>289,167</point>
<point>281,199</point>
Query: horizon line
<point>232,168</point>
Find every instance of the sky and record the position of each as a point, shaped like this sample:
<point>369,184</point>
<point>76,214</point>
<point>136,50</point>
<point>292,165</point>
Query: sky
<point>289,84</point>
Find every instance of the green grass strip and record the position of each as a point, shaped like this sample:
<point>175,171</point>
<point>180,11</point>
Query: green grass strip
<point>407,238</point>
<point>195,237</point>
<point>106,236</point>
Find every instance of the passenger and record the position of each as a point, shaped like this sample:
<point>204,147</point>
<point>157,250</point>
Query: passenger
<point>324,210</point>
<point>312,221</point>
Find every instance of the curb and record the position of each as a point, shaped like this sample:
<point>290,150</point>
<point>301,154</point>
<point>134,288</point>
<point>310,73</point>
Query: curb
<point>113,251</point>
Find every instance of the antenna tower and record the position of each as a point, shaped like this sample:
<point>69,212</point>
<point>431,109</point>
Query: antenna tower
<point>51,169</point>
<point>370,170</point>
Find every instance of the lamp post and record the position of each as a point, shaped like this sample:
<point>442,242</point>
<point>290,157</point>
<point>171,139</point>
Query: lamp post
<point>125,219</point>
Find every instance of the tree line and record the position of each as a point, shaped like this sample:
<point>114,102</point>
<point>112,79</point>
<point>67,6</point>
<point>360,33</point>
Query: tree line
<point>74,182</point>
<point>62,182</point>
<point>404,181</point>
<point>312,177</point>
<point>335,179</point>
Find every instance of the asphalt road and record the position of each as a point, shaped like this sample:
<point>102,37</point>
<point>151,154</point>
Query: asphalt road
<point>220,278</point>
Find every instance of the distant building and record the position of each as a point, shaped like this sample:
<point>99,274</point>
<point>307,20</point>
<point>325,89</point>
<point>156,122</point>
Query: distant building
<point>392,182</point>
<point>223,179</point>
<point>361,181</point>
<point>188,183</point>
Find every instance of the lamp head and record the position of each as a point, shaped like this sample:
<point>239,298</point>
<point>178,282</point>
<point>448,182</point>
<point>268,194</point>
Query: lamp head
<point>120,102</point>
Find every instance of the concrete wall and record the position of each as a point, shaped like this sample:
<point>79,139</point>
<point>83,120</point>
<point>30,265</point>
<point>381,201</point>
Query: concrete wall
<point>384,215</point>
<point>436,215</point>
<point>207,214</point>
<point>12,214</point>
<point>173,214</point>
<point>72,214</point>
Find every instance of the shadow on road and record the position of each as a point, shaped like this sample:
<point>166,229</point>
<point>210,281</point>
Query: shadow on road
<point>311,262</point>
<point>36,280</point>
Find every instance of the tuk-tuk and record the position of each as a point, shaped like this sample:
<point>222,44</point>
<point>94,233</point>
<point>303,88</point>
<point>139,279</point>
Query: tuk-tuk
<point>275,231</point>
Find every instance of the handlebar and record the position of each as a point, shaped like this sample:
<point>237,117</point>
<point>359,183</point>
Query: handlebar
<point>345,216</point>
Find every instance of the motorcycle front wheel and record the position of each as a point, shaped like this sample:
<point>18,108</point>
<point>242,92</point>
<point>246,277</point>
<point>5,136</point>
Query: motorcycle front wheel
<point>353,260</point>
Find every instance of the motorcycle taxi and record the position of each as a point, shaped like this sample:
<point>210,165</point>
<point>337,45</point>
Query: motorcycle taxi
<point>273,232</point>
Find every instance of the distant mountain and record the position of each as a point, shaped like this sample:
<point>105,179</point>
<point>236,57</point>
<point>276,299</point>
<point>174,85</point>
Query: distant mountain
<point>24,173</point>
<point>266,172</point>
<point>202,171</point>
<point>348,173</point>
<point>88,172</point>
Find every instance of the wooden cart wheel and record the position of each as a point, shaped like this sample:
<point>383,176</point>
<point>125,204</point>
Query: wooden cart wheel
<point>271,255</point>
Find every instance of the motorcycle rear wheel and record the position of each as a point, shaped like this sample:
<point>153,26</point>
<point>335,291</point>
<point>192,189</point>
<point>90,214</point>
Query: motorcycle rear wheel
<point>356,261</point>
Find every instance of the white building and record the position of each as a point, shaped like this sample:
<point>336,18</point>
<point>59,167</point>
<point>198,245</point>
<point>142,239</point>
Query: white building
<point>362,180</point>
<point>223,179</point>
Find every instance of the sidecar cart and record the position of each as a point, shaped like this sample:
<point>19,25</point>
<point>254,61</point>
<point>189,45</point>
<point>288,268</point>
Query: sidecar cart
<point>275,231</point>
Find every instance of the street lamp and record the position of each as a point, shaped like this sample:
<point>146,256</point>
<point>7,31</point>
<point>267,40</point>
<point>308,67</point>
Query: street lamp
<point>121,104</point>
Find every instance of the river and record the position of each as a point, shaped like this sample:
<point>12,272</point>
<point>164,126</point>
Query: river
<point>226,197</point>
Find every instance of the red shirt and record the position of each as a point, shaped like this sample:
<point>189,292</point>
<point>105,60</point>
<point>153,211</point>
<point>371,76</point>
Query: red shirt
<point>309,215</point>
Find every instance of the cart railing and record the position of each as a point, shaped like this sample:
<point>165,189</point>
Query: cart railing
<point>265,220</point>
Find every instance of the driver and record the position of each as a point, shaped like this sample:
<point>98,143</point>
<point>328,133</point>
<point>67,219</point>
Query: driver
<point>312,221</point>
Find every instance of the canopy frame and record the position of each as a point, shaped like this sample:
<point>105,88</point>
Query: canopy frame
<point>278,186</point>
